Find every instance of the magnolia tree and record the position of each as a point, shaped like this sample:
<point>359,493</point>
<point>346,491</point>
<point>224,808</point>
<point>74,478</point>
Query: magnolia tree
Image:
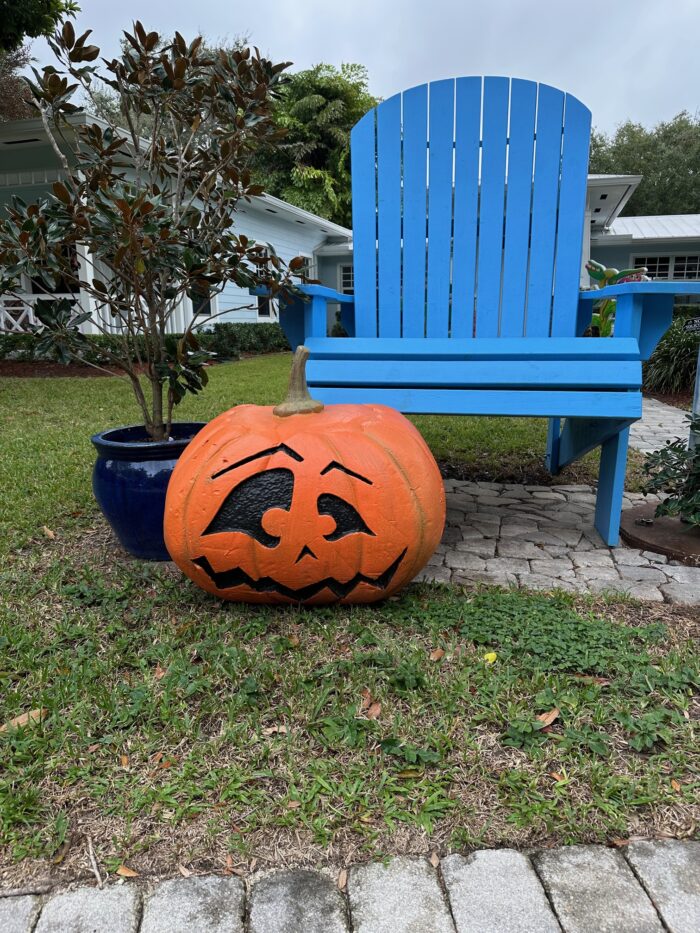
<point>152,214</point>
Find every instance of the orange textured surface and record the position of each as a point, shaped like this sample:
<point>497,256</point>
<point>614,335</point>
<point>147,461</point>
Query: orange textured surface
<point>344,505</point>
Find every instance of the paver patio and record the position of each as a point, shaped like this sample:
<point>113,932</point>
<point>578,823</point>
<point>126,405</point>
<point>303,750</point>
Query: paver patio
<point>646,886</point>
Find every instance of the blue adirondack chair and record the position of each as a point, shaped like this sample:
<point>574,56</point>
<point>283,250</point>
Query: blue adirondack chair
<point>468,201</point>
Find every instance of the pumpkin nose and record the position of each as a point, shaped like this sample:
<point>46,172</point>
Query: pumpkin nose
<point>303,552</point>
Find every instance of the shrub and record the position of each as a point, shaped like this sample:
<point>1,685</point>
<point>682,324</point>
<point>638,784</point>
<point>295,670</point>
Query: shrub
<point>228,340</point>
<point>672,365</point>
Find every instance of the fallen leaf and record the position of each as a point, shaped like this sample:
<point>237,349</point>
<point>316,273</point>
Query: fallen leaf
<point>157,757</point>
<point>294,640</point>
<point>410,773</point>
<point>592,679</point>
<point>185,872</point>
<point>675,785</point>
<point>435,860</point>
<point>437,654</point>
<point>124,761</point>
<point>374,711</point>
<point>34,715</point>
<point>159,672</point>
<point>275,730</point>
<point>62,851</point>
<point>93,748</point>
<point>342,879</point>
<point>556,775</point>
<point>366,700</point>
<point>618,843</point>
<point>229,864</point>
<point>490,657</point>
<point>48,533</point>
<point>293,804</point>
<point>548,718</point>
<point>125,872</point>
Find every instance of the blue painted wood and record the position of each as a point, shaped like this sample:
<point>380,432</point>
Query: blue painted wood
<point>580,435</point>
<point>538,374</point>
<point>496,348</point>
<point>330,294</point>
<point>611,487</point>
<point>572,205</point>
<point>364,221</point>
<point>636,288</point>
<point>415,208</point>
<point>315,317</point>
<point>523,100</point>
<point>292,321</point>
<point>389,215</point>
<point>466,205</point>
<point>550,108</point>
<point>551,457</point>
<point>441,132</point>
<point>491,207</point>
<point>628,316</point>
<point>523,402</point>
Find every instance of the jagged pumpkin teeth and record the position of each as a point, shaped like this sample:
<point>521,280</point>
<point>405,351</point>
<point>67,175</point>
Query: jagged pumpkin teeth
<point>302,503</point>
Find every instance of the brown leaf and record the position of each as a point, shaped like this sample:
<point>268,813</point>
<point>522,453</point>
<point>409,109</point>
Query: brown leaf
<point>675,785</point>
<point>124,761</point>
<point>555,775</point>
<point>157,757</point>
<point>93,748</point>
<point>125,872</point>
<point>34,715</point>
<point>185,872</point>
<point>437,654</point>
<point>48,533</point>
<point>293,804</point>
<point>619,843</point>
<point>159,672</point>
<point>548,718</point>
<point>275,730</point>
<point>229,864</point>
<point>435,860</point>
<point>294,640</point>
<point>374,711</point>
<point>366,700</point>
<point>342,879</point>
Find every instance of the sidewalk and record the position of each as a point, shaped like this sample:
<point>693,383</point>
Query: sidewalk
<point>641,888</point>
<point>659,423</point>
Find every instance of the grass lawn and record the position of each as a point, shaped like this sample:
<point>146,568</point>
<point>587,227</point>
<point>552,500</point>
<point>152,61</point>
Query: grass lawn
<point>170,728</point>
<point>46,456</point>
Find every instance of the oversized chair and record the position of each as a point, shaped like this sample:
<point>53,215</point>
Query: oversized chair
<point>468,200</point>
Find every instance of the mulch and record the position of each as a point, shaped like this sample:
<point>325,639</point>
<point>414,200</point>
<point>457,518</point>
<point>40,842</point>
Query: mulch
<point>45,369</point>
<point>677,399</point>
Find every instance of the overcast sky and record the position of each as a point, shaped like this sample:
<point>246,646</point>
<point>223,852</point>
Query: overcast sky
<point>636,59</point>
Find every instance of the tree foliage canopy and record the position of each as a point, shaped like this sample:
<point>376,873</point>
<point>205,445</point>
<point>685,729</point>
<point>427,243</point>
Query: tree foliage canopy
<point>667,155</point>
<point>310,167</point>
<point>21,18</point>
<point>14,93</point>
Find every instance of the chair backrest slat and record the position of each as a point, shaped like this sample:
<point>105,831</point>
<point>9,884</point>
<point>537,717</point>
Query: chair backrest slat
<point>389,215</point>
<point>572,203</point>
<point>415,209</point>
<point>440,153</point>
<point>494,137</point>
<point>521,136</point>
<point>364,223</point>
<point>550,107</point>
<point>468,210</point>
<point>466,204</point>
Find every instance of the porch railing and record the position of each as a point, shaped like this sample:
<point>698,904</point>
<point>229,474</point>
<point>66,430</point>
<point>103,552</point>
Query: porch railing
<point>17,315</point>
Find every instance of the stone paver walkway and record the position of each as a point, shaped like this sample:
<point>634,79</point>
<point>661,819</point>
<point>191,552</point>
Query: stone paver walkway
<point>647,887</point>
<point>542,537</point>
<point>659,423</point>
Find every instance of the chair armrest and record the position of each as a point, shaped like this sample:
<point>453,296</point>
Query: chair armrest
<point>328,294</point>
<point>304,314</point>
<point>644,309</point>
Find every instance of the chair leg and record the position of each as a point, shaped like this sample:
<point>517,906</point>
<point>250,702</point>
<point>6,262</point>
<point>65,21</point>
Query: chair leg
<point>551,458</point>
<point>611,486</point>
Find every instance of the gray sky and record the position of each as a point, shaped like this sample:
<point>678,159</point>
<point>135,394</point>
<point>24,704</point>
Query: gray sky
<point>624,59</point>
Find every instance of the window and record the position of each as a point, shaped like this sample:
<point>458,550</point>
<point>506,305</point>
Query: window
<point>347,280</point>
<point>686,267</point>
<point>658,267</point>
<point>201,302</point>
<point>264,306</point>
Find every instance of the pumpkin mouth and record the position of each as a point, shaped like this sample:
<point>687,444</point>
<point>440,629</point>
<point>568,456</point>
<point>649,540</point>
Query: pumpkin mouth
<point>227,579</point>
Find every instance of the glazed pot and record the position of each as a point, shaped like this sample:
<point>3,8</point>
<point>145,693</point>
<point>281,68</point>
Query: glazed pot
<point>130,479</point>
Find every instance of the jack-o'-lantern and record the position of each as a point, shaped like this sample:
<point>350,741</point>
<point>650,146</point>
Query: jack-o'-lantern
<point>305,503</point>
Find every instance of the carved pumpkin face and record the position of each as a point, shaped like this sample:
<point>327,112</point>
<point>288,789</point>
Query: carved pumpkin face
<point>345,504</point>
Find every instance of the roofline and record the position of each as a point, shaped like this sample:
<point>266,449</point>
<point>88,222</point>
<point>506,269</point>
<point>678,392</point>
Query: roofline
<point>599,181</point>
<point>284,207</point>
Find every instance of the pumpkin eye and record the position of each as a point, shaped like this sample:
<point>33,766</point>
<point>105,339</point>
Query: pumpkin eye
<point>243,508</point>
<point>348,520</point>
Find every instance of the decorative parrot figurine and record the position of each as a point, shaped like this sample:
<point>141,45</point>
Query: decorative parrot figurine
<point>603,318</point>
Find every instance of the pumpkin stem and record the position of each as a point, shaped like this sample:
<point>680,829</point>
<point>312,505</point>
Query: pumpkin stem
<point>298,401</point>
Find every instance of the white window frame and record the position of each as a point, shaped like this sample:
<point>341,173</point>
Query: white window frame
<point>341,266</point>
<point>636,258</point>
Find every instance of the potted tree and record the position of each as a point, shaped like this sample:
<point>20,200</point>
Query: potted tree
<point>140,222</point>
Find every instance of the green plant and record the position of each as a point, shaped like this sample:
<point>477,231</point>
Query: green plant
<point>153,212</point>
<point>675,471</point>
<point>672,366</point>
<point>227,340</point>
<point>31,18</point>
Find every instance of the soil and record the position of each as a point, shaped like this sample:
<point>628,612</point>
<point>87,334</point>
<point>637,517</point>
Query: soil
<point>46,369</point>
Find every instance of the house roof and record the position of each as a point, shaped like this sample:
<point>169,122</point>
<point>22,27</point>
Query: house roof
<point>607,196</point>
<point>661,227</point>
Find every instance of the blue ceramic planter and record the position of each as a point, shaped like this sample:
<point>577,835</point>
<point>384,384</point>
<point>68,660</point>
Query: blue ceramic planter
<point>130,480</point>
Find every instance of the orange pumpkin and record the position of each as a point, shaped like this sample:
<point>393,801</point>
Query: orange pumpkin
<point>302,503</point>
